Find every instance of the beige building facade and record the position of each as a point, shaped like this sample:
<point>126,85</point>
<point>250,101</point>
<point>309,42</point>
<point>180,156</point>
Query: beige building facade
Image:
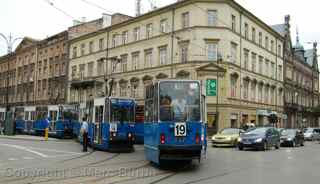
<point>192,39</point>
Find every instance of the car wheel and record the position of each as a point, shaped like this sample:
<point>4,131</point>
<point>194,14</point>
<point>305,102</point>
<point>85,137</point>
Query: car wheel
<point>240,148</point>
<point>277,145</point>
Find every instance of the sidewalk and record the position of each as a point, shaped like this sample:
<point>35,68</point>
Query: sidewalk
<point>27,137</point>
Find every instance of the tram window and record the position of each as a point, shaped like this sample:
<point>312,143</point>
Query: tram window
<point>149,105</point>
<point>53,115</point>
<point>179,101</point>
<point>121,111</point>
<point>2,116</point>
<point>33,115</point>
<point>107,110</point>
<point>26,115</point>
<point>98,113</point>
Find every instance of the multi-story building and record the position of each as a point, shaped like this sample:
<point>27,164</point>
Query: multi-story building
<point>212,40</point>
<point>301,80</point>
<point>51,71</point>
<point>38,68</point>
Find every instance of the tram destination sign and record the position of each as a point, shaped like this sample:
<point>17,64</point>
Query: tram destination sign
<point>211,87</point>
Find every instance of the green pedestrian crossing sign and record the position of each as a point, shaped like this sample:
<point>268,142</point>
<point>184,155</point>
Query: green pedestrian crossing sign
<point>211,87</point>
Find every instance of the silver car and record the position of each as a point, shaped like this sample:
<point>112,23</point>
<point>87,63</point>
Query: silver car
<point>311,134</point>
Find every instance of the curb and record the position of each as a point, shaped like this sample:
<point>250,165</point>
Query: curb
<point>27,139</point>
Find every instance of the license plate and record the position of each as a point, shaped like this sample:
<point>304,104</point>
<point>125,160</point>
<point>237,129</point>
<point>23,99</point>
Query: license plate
<point>180,129</point>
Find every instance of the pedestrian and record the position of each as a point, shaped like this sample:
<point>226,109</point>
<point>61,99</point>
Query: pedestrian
<point>84,132</point>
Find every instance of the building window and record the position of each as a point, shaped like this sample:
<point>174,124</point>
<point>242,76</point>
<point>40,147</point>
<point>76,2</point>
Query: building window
<point>279,51</point>
<point>267,43</point>
<point>184,53</point>
<point>90,69</point>
<point>212,17</point>
<point>114,40</point>
<point>233,58</point>
<point>101,44</point>
<point>272,46</point>
<point>245,89</point>
<point>280,72</point>
<point>253,91</point>
<point>100,68</point>
<point>124,63</point>
<point>163,25</point>
<point>81,71</point>
<point>272,94</point>
<point>212,49</point>
<point>136,34</point>
<point>260,92</point>
<point>260,38</point>
<point>135,61</point>
<point>185,20</point>
<point>246,31</point>
<point>148,58</point>
<point>125,37</point>
<point>233,86</point>
<point>260,64</point>
<point>149,30</point>
<point>123,90</point>
<point>266,95</point>
<point>233,23</point>
<point>163,55</point>
<point>74,52</point>
<point>83,49</point>
<point>254,34</point>
<point>91,47</point>
<point>246,59</point>
<point>253,61</point>
<point>273,71</point>
<point>267,73</point>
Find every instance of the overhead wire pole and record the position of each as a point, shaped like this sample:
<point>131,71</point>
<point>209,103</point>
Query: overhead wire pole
<point>10,42</point>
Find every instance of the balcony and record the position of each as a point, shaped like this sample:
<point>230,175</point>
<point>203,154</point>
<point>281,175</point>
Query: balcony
<point>80,81</point>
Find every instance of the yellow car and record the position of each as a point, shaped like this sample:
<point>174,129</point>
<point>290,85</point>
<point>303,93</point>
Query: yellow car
<point>226,137</point>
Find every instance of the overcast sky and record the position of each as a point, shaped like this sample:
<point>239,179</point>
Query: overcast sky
<point>37,19</point>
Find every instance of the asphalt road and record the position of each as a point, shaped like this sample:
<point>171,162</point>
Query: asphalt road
<point>58,162</point>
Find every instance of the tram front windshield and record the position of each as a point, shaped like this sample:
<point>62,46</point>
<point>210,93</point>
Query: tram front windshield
<point>122,110</point>
<point>179,101</point>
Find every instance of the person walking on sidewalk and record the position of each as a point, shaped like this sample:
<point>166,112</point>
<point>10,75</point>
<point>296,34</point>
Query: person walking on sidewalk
<point>84,132</point>
<point>1,129</point>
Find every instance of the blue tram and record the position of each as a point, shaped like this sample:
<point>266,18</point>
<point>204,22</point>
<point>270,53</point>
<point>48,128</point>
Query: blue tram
<point>111,123</point>
<point>58,118</point>
<point>174,128</point>
<point>24,119</point>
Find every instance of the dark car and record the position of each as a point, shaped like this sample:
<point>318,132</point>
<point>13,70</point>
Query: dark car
<point>292,137</point>
<point>260,138</point>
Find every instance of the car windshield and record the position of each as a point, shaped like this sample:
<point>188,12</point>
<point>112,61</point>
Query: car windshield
<point>122,110</point>
<point>258,131</point>
<point>229,131</point>
<point>288,132</point>
<point>179,101</point>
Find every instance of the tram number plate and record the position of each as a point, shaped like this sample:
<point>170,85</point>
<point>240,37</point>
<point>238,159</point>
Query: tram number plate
<point>180,129</point>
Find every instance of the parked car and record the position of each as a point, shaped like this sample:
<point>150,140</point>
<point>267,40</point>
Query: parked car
<point>260,138</point>
<point>227,137</point>
<point>292,137</point>
<point>311,134</point>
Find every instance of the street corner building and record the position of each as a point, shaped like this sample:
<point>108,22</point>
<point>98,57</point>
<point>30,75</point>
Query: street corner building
<point>246,66</point>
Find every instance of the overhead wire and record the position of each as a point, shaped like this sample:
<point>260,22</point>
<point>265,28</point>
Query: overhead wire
<point>59,9</point>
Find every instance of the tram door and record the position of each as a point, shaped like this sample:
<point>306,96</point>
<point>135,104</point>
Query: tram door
<point>98,120</point>
<point>53,114</point>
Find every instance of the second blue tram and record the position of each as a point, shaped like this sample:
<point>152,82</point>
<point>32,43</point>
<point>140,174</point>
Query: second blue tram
<point>111,123</point>
<point>174,128</point>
